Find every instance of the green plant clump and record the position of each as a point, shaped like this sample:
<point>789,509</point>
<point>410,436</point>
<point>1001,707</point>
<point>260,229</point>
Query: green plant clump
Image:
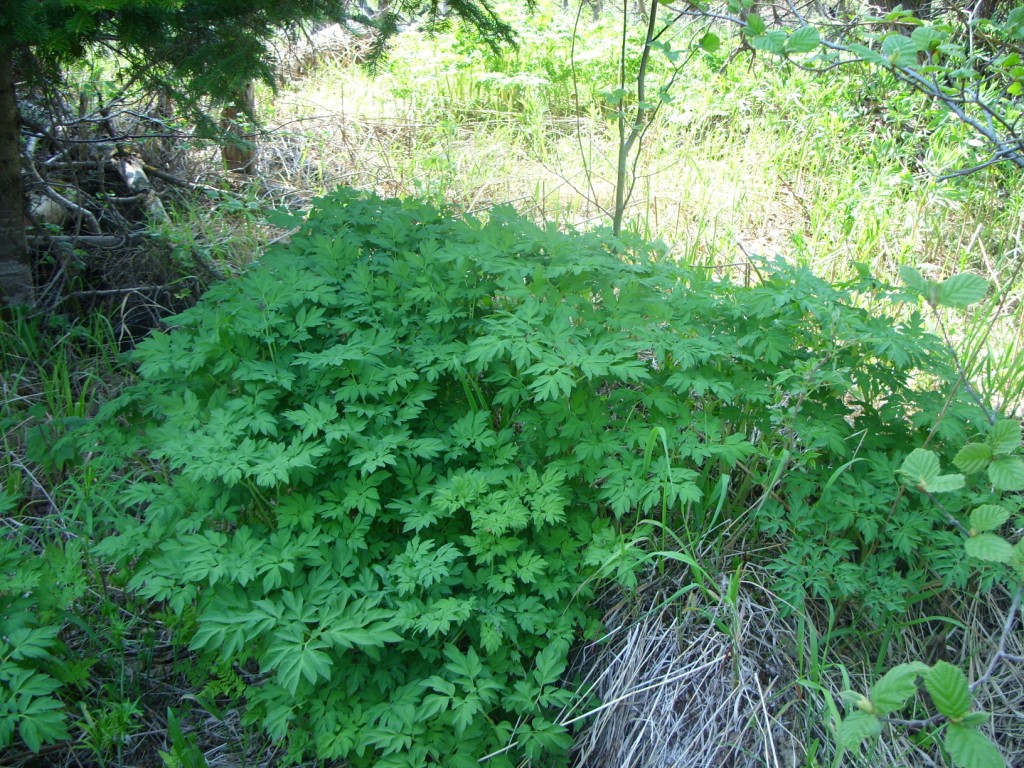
<point>32,608</point>
<point>392,463</point>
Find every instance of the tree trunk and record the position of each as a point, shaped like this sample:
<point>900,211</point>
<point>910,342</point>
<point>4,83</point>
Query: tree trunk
<point>239,153</point>
<point>15,270</point>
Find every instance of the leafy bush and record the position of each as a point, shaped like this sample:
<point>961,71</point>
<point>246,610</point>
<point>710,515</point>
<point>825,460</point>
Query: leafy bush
<point>392,461</point>
<point>32,605</point>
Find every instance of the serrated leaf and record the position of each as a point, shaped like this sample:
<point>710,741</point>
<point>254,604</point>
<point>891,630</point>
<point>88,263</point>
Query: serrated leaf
<point>973,457</point>
<point>915,281</point>
<point>42,721</point>
<point>771,42</point>
<point>975,718</point>
<point>1007,473</point>
<point>990,547</point>
<point>927,38</point>
<point>710,42</point>
<point>755,25</point>
<point>920,468</point>
<point>970,748</point>
<point>803,40</point>
<point>988,517</point>
<point>899,51</point>
<point>948,688</point>
<point>1005,437</point>
<point>945,484</point>
<point>897,685</point>
<point>855,728</point>
<point>962,290</point>
<point>870,56</point>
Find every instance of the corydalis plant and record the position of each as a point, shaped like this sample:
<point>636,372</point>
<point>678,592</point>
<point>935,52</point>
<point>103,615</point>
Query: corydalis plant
<point>392,460</point>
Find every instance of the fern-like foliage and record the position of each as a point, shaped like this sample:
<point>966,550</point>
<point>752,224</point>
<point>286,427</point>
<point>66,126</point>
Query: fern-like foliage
<point>392,461</point>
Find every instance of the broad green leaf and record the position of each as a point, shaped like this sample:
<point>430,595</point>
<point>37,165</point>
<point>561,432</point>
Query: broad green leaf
<point>899,51</point>
<point>1005,436</point>
<point>856,727</point>
<point>755,25</point>
<point>897,685</point>
<point>917,282</point>
<point>948,688</point>
<point>973,457</point>
<point>962,290</point>
<point>872,57</point>
<point>927,38</point>
<point>975,718</point>
<point>945,484</point>
<point>1007,473</point>
<point>920,468</point>
<point>970,748</point>
<point>710,42</point>
<point>988,517</point>
<point>772,42</point>
<point>990,547</point>
<point>803,40</point>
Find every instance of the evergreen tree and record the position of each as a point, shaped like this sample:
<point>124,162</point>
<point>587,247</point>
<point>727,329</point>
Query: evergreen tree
<point>187,48</point>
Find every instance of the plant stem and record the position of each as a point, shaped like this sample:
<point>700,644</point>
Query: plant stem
<point>628,140</point>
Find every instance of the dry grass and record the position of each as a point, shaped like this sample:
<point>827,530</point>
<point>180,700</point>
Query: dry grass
<point>704,681</point>
<point>698,684</point>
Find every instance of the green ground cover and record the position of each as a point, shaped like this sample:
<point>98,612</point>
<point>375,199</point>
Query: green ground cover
<point>389,487</point>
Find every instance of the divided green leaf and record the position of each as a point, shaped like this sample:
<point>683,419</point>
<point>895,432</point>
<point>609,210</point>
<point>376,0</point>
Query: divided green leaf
<point>402,507</point>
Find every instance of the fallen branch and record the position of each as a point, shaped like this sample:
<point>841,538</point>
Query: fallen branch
<point>95,241</point>
<point>87,217</point>
<point>134,176</point>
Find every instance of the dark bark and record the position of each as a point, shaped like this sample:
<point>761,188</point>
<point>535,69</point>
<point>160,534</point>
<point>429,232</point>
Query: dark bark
<point>239,153</point>
<point>15,269</point>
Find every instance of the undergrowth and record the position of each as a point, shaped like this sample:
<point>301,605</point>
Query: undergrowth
<point>384,476</point>
<point>392,463</point>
